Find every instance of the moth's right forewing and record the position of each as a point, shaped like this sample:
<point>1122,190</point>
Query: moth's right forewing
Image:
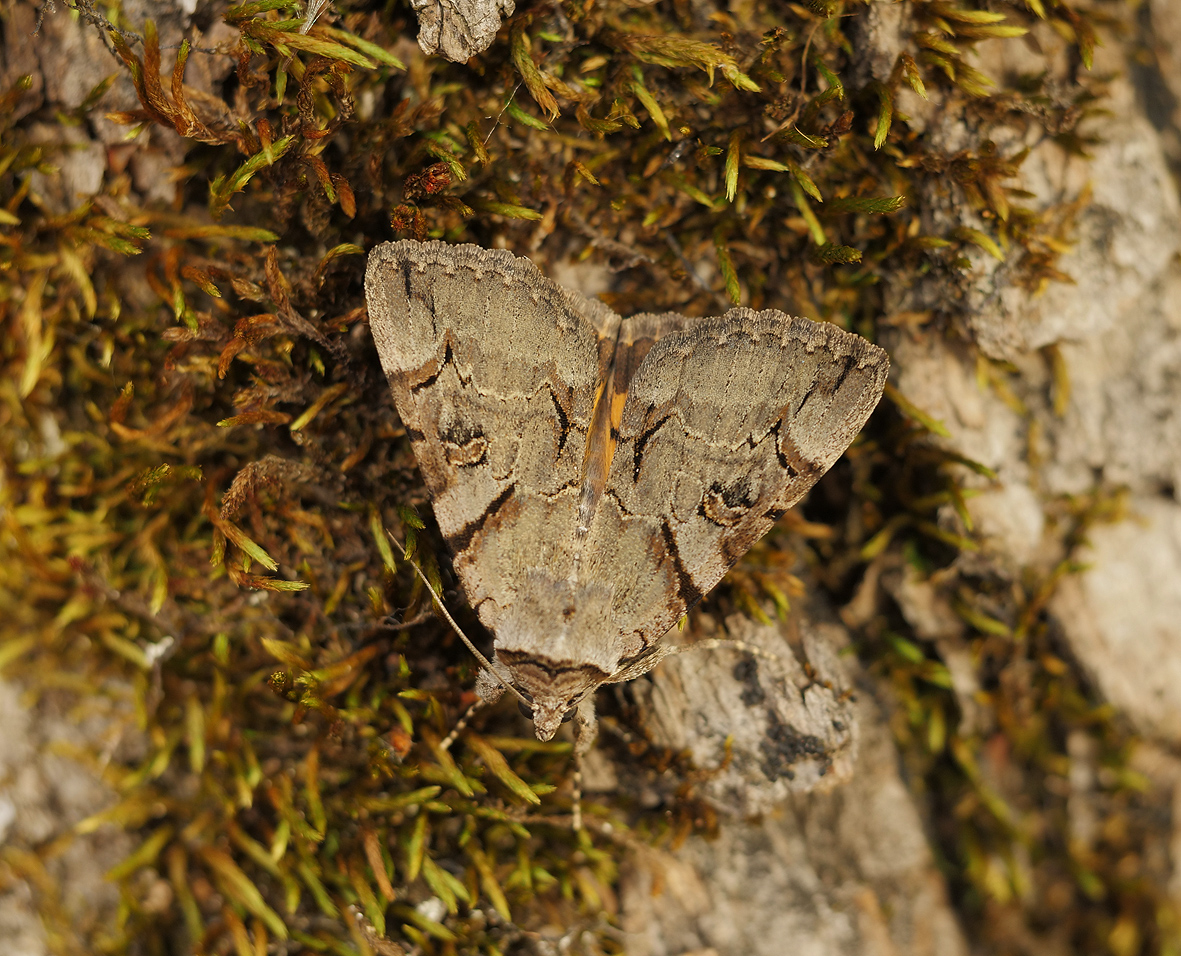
<point>849,375</point>
<point>728,422</point>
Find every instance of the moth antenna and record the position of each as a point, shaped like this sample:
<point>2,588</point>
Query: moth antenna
<point>484,662</point>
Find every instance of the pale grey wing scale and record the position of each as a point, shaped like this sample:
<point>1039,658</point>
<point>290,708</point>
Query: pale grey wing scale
<point>727,423</point>
<point>493,370</point>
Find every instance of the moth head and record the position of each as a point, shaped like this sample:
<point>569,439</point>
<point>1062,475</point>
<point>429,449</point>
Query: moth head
<point>551,691</point>
<point>547,716</point>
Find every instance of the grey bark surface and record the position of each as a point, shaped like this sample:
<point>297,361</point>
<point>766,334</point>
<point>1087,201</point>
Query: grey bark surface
<point>1123,615</point>
<point>768,726</point>
<point>44,794</point>
<point>1117,329</point>
<point>459,29</point>
<point>844,869</point>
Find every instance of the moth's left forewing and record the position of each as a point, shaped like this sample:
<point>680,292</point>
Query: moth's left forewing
<point>727,423</point>
<point>493,369</point>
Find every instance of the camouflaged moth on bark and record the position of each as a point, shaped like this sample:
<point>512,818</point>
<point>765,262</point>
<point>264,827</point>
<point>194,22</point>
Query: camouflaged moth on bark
<point>594,476</point>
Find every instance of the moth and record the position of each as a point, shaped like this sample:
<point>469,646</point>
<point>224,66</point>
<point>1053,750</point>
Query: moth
<point>595,477</point>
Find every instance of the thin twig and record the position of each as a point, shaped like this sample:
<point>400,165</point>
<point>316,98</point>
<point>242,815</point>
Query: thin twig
<point>418,618</point>
<point>501,113</point>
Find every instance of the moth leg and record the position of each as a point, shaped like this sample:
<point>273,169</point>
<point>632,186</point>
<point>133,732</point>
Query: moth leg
<point>586,729</point>
<point>714,643</point>
<point>489,687</point>
<point>647,663</point>
<point>462,722</point>
<point>489,690</point>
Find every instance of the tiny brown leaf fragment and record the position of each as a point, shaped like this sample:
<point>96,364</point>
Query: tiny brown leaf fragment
<point>372,846</point>
<point>400,742</point>
<point>435,178</point>
<point>269,474</point>
<point>402,218</point>
<point>277,286</point>
<point>260,416</point>
<point>202,279</point>
<point>118,413</point>
<point>380,944</point>
<point>344,192</point>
